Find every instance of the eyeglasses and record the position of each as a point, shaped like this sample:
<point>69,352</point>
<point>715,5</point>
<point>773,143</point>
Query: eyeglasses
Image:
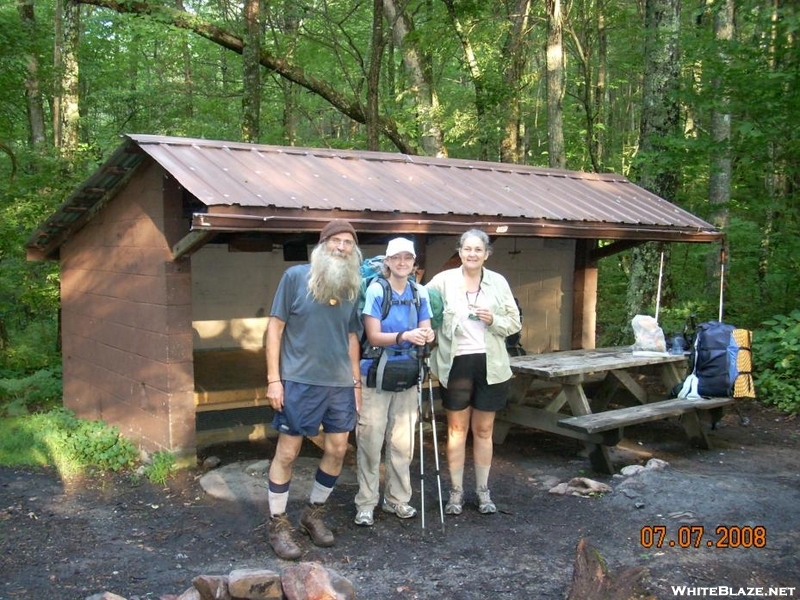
<point>339,242</point>
<point>402,257</point>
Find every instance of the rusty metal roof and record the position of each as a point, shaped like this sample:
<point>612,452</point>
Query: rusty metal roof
<point>249,187</point>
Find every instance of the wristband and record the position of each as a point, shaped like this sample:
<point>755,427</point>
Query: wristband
<point>399,339</point>
<point>271,382</point>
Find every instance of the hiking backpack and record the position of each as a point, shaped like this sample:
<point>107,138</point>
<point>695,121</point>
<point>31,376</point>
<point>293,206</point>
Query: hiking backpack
<point>514,341</point>
<point>720,362</point>
<point>372,270</point>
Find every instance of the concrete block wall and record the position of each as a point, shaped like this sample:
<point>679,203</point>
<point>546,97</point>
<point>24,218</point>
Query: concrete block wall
<point>540,273</point>
<point>126,318</point>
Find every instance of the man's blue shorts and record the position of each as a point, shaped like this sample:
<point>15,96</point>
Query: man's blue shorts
<point>307,406</point>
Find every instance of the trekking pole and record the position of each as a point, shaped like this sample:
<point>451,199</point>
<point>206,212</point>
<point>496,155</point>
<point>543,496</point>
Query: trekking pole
<point>425,354</point>
<point>660,279</point>
<point>421,453</point>
<point>721,280</point>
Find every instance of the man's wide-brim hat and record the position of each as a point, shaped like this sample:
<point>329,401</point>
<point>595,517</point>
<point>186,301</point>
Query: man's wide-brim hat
<point>337,226</point>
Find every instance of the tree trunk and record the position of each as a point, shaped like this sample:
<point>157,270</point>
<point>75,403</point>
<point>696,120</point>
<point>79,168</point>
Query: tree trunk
<point>660,120</point>
<point>476,76</point>
<point>592,581</point>
<point>601,99</point>
<point>418,70</point>
<point>33,96</point>
<point>251,72</point>
<point>374,76</point>
<point>719,186</point>
<point>515,58</point>
<point>555,85</point>
<point>68,116</point>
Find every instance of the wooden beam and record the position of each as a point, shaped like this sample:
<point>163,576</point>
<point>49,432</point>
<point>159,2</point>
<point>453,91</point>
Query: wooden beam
<point>191,242</point>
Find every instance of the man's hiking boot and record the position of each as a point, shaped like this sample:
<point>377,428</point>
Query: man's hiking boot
<point>281,539</point>
<point>311,524</point>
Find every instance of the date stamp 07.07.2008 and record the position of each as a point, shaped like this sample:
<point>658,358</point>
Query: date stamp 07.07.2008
<point>696,536</point>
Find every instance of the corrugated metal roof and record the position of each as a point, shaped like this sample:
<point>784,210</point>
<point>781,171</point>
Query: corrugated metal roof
<point>249,186</point>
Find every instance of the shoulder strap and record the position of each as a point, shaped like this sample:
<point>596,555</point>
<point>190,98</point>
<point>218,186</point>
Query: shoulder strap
<point>386,302</point>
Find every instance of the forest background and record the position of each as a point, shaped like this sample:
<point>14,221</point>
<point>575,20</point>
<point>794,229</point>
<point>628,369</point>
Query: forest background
<point>696,101</point>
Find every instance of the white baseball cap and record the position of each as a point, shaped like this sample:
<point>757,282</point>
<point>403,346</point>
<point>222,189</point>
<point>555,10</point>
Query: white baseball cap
<point>398,245</point>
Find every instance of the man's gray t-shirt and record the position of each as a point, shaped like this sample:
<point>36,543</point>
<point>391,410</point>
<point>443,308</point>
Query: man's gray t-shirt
<point>314,348</point>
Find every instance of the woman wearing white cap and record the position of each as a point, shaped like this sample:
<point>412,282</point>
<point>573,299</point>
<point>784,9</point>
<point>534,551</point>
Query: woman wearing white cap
<point>471,362</point>
<point>390,415</point>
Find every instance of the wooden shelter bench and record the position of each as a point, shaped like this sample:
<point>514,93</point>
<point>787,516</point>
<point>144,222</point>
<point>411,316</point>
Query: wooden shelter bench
<point>612,371</point>
<point>688,409</point>
<point>233,380</point>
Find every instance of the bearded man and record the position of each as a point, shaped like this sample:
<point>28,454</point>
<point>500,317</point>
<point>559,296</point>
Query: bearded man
<point>313,377</point>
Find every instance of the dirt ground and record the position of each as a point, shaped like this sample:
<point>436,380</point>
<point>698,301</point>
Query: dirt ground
<point>117,533</point>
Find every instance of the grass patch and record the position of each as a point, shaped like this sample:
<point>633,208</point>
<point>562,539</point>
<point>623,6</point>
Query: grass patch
<point>57,438</point>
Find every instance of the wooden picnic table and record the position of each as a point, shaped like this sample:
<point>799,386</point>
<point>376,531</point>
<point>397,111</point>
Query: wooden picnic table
<point>612,371</point>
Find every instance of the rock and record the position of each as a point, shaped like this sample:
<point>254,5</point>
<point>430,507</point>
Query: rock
<point>212,587</point>
<point>212,462</point>
<point>631,470</point>
<point>581,486</point>
<point>312,581</point>
<point>656,464</point>
<point>255,584</point>
<point>304,581</point>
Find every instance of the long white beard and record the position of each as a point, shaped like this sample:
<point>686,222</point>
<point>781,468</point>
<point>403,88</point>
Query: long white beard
<point>334,276</point>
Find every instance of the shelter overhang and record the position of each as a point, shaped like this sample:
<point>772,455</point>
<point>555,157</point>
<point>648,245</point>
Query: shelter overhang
<point>236,187</point>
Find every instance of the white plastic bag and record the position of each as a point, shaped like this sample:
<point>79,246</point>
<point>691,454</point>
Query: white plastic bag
<point>648,335</point>
<point>689,387</point>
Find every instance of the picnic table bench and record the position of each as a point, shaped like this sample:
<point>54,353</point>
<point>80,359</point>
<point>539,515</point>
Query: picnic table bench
<point>611,371</point>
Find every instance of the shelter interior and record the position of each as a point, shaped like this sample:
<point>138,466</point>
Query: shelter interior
<point>235,277</point>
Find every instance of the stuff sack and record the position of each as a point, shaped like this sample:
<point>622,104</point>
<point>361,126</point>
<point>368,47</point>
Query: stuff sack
<point>721,361</point>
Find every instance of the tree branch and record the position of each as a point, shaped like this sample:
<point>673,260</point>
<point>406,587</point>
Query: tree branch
<point>285,69</point>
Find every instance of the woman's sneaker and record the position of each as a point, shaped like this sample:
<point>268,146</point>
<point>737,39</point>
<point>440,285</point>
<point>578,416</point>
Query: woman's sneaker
<point>401,509</point>
<point>456,502</point>
<point>365,518</point>
<point>485,504</point>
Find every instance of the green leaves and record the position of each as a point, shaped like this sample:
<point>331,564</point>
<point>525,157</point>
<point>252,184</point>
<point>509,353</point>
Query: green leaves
<point>776,358</point>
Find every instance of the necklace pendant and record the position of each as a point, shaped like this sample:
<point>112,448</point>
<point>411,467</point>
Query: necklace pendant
<point>333,301</point>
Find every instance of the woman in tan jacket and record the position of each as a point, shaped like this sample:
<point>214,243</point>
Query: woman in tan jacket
<point>471,362</point>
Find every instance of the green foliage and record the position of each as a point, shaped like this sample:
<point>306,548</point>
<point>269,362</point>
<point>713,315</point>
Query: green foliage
<point>59,438</point>
<point>160,467</point>
<point>33,393</point>
<point>776,362</point>
<point>91,444</point>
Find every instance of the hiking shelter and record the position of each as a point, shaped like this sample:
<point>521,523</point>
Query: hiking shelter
<point>171,251</point>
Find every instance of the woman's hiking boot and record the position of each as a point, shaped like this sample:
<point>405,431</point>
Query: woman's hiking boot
<point>455,503</point>
<point>311,524</point>
<point>281,538</point>
<point>485,504</point>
